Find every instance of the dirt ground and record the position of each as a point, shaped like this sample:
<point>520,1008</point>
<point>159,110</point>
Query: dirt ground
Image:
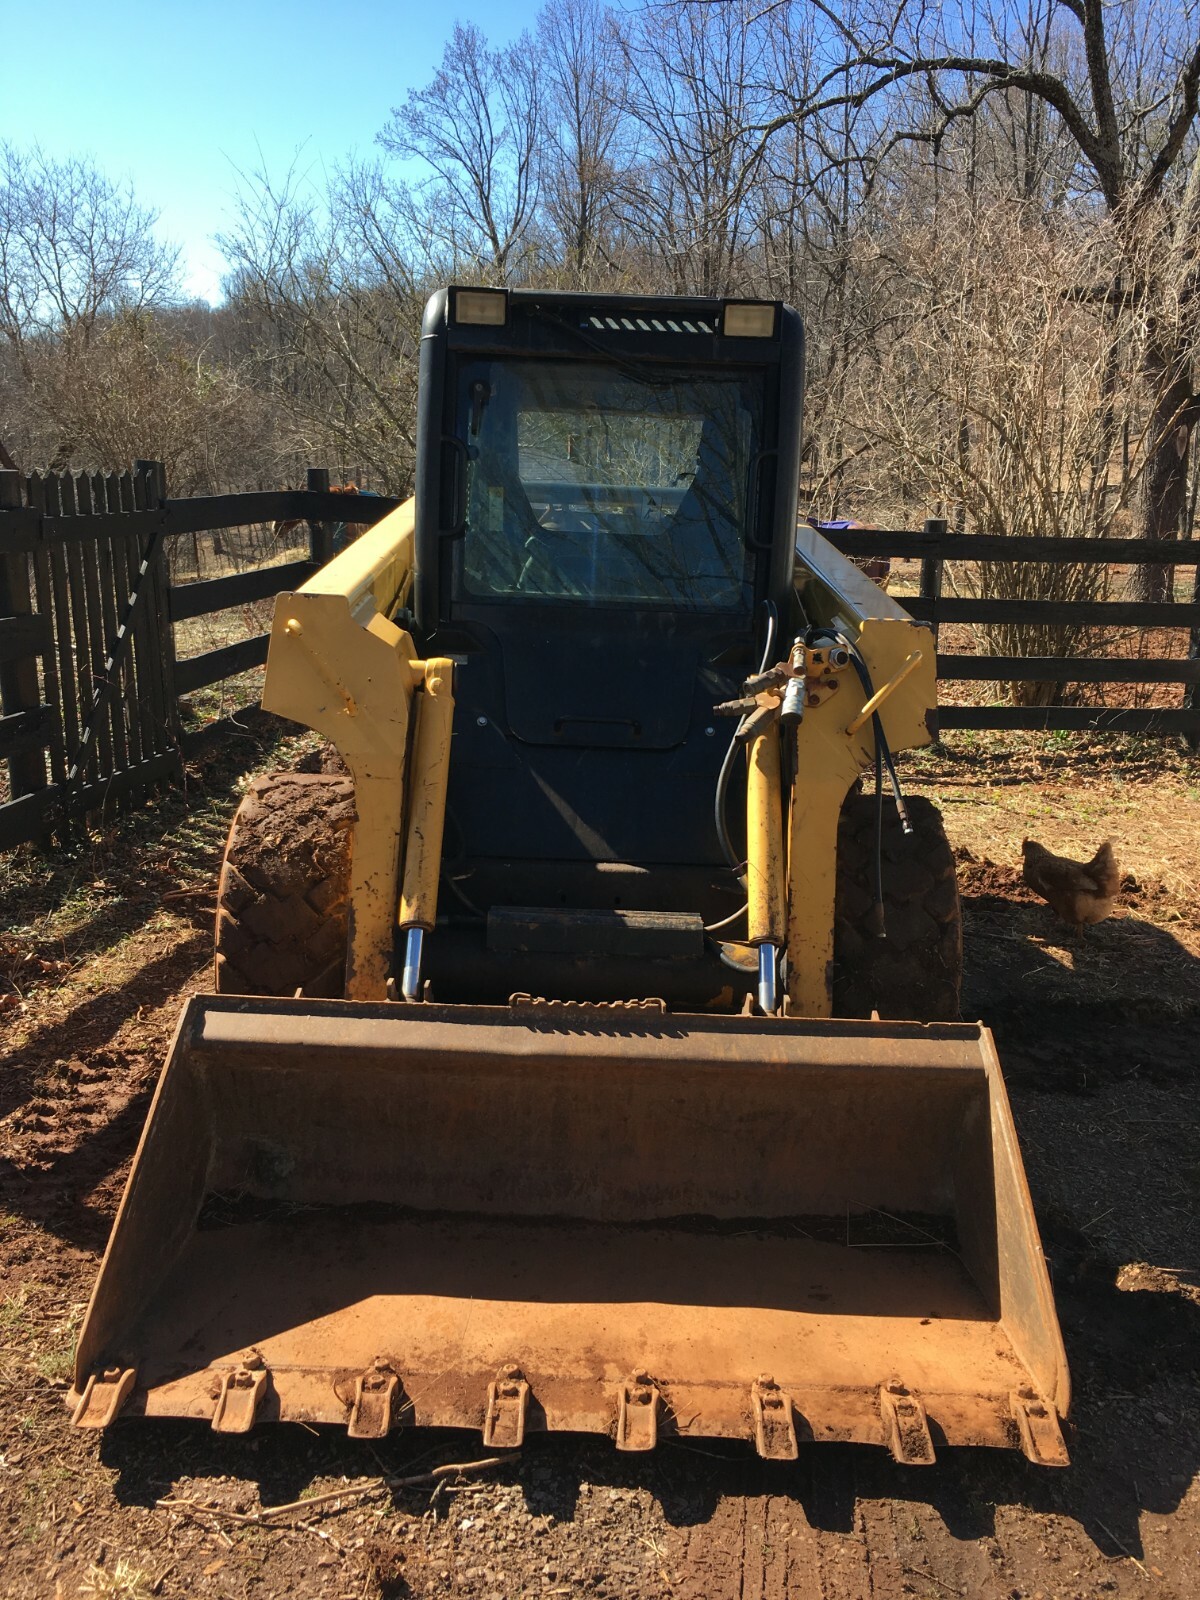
<point>1099,1042</point>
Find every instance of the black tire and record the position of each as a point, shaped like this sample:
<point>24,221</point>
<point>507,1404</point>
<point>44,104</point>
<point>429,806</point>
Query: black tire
<point>916,971</point>
<point>284,891</point>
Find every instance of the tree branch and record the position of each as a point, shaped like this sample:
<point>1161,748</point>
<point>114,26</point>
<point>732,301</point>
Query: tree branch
<point>1002,74</point>
<point>1189,84</point>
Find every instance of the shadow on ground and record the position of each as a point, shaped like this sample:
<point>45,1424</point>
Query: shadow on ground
<point>1071,1012</point>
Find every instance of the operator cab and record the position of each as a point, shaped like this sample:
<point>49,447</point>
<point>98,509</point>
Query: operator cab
<point>606,503</point>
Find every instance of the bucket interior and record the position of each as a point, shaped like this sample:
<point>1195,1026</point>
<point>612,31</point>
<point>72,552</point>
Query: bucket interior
<point>583,1196</point>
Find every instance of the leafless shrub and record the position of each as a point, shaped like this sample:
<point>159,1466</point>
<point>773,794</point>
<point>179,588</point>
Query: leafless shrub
<point>996,400</point>
<point>328,307</point>
<point>133,390</point>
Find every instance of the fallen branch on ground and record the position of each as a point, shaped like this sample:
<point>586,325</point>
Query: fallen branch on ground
<point>357,1491</point>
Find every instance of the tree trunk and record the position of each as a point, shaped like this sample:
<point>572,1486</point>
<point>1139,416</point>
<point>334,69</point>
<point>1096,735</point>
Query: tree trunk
<point>1162,502</point>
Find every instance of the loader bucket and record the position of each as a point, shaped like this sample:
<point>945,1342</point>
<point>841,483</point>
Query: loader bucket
<point>558,1216</point>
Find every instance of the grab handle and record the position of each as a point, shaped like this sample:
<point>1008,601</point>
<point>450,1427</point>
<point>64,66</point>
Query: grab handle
<point>880,695</point>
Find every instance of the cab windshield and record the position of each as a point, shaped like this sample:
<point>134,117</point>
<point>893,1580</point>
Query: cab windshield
<point>587,483</point>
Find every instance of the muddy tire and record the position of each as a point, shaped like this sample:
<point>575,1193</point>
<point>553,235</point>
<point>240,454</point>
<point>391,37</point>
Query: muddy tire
<point>283,895</point>
<point>916,971</point>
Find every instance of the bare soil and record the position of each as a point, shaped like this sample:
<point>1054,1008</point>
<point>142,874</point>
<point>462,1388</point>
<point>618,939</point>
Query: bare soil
<point>1098,1037</point>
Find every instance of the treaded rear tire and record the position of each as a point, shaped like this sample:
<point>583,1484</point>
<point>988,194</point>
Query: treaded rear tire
<point>915,973</point>
<point>283,895</point>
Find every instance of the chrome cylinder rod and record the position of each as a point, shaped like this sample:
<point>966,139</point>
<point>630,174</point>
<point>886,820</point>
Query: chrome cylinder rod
<point>767,1000</point>
<point>410,982</point>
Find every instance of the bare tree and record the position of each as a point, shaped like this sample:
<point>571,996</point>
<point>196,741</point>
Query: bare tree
<point>477,128</point>
<point>330,311</point>
<point>698,85</point>
<point>583,74</point>
<point>1121,81</point>
<point>816,208</point>
<point>74,248</point>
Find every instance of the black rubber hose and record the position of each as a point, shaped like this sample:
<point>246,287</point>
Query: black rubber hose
<point>721,797</point>
<point>880,924</point>
<point>897,795</point>
<point>883,755</point>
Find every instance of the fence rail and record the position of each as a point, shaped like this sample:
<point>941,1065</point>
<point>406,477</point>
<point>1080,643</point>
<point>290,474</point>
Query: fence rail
<point>933,541</point>
<point>934,546</point>
<point>90,680</point>
<point>1057,613</point>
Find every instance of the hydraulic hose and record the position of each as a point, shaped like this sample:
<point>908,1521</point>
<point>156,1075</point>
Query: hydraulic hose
<point>883,760</point>
<point>720,798</point>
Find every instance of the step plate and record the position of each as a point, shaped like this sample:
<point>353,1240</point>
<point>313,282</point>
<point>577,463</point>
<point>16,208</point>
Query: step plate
<point>638,935</point>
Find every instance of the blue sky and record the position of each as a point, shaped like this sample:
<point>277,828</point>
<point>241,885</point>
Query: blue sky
<point>177,96</point>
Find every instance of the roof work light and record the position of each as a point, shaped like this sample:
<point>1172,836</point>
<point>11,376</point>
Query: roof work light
<point>489,306</point>
<point>748,319</point>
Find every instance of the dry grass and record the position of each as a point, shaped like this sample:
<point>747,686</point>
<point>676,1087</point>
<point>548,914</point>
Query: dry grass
<point>123,1581</point>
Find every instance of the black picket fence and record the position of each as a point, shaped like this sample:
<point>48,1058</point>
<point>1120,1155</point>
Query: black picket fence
<point>90,682</point>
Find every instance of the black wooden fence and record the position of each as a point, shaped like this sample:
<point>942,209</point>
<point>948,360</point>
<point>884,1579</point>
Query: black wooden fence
<point>90,681</point>
<point>89,678</point>
<point>934,546</point>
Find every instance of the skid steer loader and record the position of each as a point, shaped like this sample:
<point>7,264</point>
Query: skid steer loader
<point>580,1060</point>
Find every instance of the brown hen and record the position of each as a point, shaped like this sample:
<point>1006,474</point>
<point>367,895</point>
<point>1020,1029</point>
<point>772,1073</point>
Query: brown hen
<point>1081,892</point>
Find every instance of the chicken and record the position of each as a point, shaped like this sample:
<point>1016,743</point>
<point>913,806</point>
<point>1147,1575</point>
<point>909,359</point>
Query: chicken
<point>1080,892</point>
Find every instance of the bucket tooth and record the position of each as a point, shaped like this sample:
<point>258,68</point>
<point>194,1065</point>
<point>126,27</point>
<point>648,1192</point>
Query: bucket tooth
<point>103,1396</point>
<point>374,1401</point>
<point>774,1426</point>
<point>637,1413</point>
<point>905,1426</point>
<point>507,1408</point>
<point>241,1394</point>
<point>1037,1423</point>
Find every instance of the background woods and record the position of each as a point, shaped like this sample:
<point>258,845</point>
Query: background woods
<point>988,213</point>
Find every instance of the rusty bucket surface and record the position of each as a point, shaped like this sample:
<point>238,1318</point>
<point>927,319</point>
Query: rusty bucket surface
<point>615,1221</point>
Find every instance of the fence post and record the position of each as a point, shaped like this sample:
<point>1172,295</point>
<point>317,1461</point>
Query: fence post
<point>1191,696</point>
<point>320,534</point>
<point>19,689</point>
<point>931,571</point>
<point>153,476</point>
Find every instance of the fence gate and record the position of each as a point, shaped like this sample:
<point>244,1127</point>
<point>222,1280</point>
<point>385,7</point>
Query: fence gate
<point>86,664</point>
<point>89,677</point>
